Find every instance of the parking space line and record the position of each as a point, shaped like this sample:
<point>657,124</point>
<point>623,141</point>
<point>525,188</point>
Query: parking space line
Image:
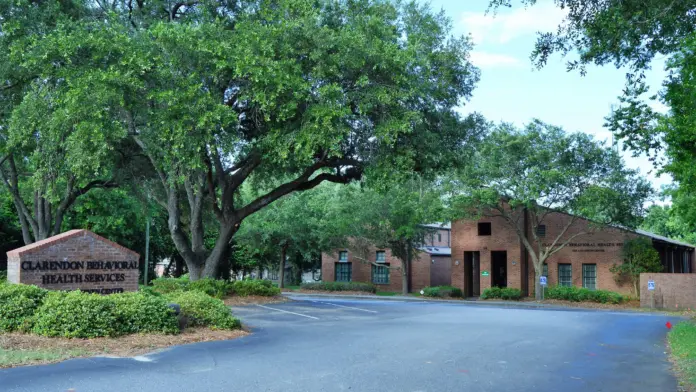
<point>342,306</point>
<point>285,311</point>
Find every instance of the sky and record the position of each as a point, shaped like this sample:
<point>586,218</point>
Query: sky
<point>512,90</point>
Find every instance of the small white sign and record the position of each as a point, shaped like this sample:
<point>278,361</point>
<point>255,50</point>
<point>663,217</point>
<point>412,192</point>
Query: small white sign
<point>651,285</point>
<point>542,280</point>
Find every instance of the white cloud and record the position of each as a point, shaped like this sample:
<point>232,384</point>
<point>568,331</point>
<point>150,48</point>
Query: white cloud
<point>506,26</point>
<point>485,59</point>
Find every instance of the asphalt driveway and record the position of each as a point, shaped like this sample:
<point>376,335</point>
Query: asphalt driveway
<point>327,344</point>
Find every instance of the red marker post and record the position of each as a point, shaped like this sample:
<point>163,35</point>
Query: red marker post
<point>668,325</point>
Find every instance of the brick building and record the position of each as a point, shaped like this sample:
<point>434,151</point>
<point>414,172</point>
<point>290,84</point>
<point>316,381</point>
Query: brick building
<point>488,253</point>
<point>430,267</point>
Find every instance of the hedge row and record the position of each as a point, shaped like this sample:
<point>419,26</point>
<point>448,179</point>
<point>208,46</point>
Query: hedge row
<point>216,288</point>
<point>502,293</point>
<point>76,314</point>
<point>340,286</point>
<point>442,291</point>
<point>579,294</point>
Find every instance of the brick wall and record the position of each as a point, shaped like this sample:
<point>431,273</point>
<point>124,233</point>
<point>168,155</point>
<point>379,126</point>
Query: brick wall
<point>465,238</point>
<point>362,270</point>
<point>68,263</point>
<point>672,291</point>
<point>601,247</point>
<point>438,238</point>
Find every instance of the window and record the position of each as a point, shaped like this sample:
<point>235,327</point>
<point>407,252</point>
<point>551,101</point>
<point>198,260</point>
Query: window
<point>484,228</point>
<point>344,272</point>
<point>439,237</point>
<point>565,275</point>
<point>541,231</point>
<point>343,256</point>
<point>545,271</point>
<point>380,274</point>
<point>589,276</point>
<point>381,257</point>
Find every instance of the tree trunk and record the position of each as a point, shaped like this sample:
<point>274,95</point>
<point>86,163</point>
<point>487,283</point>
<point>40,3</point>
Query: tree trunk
<point>281,272</point>
<point>537,282</point>
<point>406,271</point>
<point>635,288</point>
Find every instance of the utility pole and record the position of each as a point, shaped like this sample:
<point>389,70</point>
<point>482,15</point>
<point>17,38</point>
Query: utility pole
<point>147,242</point>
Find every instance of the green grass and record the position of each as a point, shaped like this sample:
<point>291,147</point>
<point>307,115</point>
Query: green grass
<point>387,293</point>
<point>10,358</point>
<point>682,342</point>
<point>292,287</point>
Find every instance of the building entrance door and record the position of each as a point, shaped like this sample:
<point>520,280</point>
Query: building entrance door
<point>499,269</point>
<point>472,273</point>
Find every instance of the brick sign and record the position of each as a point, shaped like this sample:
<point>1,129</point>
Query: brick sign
<point>76,259</point>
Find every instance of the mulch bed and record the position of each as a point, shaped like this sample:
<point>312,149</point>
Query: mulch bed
<point>123,346</point>
<point>631,304</point>
<point>253,300</point>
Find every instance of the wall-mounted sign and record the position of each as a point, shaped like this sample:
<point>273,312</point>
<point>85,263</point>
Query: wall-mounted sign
<point>75,260</point>
<point>484,273</point>
<point>651,285</point>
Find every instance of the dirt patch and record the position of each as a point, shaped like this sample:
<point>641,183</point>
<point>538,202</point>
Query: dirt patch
<point>335,292</point>
<point>12,345</point>
<point>253,300</point>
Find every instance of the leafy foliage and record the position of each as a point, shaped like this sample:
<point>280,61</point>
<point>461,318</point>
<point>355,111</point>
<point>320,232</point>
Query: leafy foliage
<point>3,277</point>
<point>76,314</point>
<point>581,294</point>
<point>18,303</point>
<point>442,291</point>
<point>169,285</point>
<point>204,310</point>
<point>506,293</point>
<point>213,287</point>
<point>340,286</point>
<point>248,287</point>
<point>139,313</point>
<point>639,256</point>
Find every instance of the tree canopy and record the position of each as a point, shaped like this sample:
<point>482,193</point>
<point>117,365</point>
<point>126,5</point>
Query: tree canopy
<point>285,92</point>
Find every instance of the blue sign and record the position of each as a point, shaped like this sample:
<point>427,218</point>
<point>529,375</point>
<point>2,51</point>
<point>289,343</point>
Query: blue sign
<point>651,285</point>
<point>542,280</point>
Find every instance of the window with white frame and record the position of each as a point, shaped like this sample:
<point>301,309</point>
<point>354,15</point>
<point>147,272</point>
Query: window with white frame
<point>565,275</point>
<point>343,256</point>
<point>589,276</point>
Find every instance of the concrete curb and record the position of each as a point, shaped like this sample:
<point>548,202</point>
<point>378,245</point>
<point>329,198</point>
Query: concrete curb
<point>503,304</point>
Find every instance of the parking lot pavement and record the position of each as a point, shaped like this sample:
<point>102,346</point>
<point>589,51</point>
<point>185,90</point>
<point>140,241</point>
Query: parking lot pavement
<point>321,344</point>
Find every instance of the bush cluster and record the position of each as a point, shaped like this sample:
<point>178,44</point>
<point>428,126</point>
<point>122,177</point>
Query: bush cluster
<point>506,293</point>
<point>579,294</point>
<point>442,291</point>
<point>76,314</point>
<point>255,287</point>
<point>204,310</point>
<point>170,285</point>
<point>3,277</point>
<point>340,286</point>
<point>213,287</point>
<point>17,306</point>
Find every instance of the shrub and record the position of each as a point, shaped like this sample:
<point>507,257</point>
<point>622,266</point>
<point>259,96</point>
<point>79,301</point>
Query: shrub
<point>202,309</point>
<point>213,287</point>
<point>255,287</point>
<point>169,285</point>
<point>579,294</point>
<point>18,303</point>
<point>76,315</point>
<point>507,293</point>
<point>491,292</point>
<point>140,313</point>
<point>340,286</point>
<point>3,277</point>
<point>442,291</point>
